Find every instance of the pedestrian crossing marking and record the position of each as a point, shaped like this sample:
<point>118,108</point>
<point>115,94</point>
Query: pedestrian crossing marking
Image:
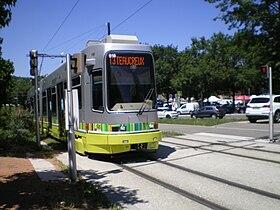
<point>215,135</point>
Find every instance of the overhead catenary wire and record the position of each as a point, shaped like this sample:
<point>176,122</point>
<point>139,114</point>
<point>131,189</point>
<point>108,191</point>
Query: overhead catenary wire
<point>56,32</point>
<point>87,33</point>
<point>130,16</point>
<point>90,31</point>
<point>78,36</point>
<point>41,65</point>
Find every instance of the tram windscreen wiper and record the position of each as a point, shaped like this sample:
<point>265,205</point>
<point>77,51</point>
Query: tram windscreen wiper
<point>144,104</point>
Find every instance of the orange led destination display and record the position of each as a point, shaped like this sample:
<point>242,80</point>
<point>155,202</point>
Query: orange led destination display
<point>127,60</point>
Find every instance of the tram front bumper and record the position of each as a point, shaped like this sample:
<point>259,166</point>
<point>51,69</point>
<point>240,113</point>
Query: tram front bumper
<point>140,141</point>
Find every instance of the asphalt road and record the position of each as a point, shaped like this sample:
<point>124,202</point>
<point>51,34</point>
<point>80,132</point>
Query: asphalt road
<point>227,116</point>
<point>258,130</point>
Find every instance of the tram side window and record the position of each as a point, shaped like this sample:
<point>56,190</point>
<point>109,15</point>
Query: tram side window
<point>97,93</point>
<point>44,103</point>
<point>53,102</point>
<point>76,84</point>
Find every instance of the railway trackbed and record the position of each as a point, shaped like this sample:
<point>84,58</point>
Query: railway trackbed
<point>190,195</point>
<point>175,189</point>
<point>189,173</point>
<point>225,151</point>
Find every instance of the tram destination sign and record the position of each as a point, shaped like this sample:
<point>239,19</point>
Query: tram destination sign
<point>126,60</point>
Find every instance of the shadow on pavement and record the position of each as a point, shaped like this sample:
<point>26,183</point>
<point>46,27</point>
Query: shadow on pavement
<point>27,191</point>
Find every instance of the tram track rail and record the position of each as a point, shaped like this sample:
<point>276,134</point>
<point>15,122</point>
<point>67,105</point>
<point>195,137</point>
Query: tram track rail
<point>229,145</point>
<point>189,195</point>
<point>202,147</point>
<point>201,174</point>
<point>175,189</point>
<point>224,181</point>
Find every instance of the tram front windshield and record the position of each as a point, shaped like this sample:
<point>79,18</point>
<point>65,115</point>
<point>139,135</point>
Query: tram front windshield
<point>130,81</point>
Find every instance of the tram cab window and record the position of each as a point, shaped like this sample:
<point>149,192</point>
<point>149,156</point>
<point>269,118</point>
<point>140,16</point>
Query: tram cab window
<point>97,92</point>
<point>131,81</point>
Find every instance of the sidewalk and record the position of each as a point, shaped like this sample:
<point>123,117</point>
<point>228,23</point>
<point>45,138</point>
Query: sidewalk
<point>29,183</point>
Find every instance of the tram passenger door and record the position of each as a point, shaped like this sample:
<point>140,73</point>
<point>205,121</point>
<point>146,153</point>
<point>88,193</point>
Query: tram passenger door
<point>75,109</point>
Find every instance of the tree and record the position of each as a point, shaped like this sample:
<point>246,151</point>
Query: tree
<point>222,64</point>
<point>166,65</point>
<point>194,76</point>
<point>5,12</point>
<point>6,70</point>
<point>260,18</point>
<point>6,66</point>
<point>21,86</point>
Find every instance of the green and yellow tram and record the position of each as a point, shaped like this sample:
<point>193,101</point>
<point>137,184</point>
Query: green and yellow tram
<point>114,95</point>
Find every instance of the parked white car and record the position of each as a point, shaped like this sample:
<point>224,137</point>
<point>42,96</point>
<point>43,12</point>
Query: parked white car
<point>187,108</point>
<point>259,106</point>
<point>164,112</point>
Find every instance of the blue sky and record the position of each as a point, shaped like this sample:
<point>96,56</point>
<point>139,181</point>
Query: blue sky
<point>161,22</point>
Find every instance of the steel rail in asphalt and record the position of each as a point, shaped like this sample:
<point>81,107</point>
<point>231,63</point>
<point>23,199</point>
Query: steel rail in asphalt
<point>222,152</point>
<point>223,144</point>
<point>215,178</point>
<point>225,181</point>
<point>184,193</point>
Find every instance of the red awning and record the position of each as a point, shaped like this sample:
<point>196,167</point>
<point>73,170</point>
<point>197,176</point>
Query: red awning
<point>242,98</point>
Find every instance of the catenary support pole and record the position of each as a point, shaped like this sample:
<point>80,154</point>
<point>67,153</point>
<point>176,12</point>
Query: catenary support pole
<point>71,134</point>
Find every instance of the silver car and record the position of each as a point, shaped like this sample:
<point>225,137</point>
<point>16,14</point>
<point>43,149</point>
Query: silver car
<point>164,112</point>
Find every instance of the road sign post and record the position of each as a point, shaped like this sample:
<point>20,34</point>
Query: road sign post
<point>271,135</point>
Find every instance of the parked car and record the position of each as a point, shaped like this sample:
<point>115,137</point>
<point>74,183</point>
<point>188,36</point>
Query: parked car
<point>160,103</point>
<point>227,108</point>
<point>187,108</point>
<point>164,112</point>
<point>240,108</point>
<point>259,107</point>
<point>208,111</point>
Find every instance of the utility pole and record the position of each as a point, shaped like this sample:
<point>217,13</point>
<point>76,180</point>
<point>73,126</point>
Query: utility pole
<point>70,135</point>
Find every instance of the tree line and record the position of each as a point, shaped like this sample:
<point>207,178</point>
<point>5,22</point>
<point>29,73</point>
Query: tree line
<point>225,64</point>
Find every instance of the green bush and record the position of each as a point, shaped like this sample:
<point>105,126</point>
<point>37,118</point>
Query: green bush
<point>16,127</point>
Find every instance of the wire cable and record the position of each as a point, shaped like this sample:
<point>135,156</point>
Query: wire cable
<point>130,16</point>
<point>61,25</point>
<point>87,33</point>
<point>41,65</point>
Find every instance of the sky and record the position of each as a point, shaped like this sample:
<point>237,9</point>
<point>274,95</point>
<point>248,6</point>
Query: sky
<point>59,27</point>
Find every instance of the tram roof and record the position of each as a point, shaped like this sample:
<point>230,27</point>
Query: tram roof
<point>114,38</point>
